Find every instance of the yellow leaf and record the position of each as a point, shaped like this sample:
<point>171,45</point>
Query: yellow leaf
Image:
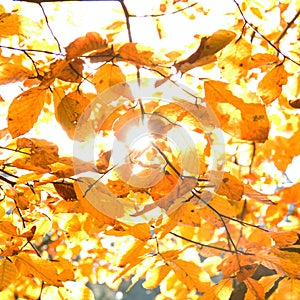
<point>12,73</point>
<point>205,53</point>
<point>25,110</point>
<point>8,273</point>
<point>96,196</point>
<point>52,272</point>
<point>132,54</point>
<point>220,291</point>
<point>268,281</point>
<point>78,291</point>
<point>190,275</point>
<point>233,62</point>
<point>69,111</point>
<point>270,87</point>
<point>246,121</point>
<point>155,275</point>
<point>108,76</point>
<point>91,41</point>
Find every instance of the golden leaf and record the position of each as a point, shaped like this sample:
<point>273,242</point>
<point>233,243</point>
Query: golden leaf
<point>261,59</point>
<point>190,275</point>
<point>270,87</point>
<point>9,24</point>
<point>107,76</point>
<point>52,272</point>
<point>8,273</point>
<point>8,228</point>
<point>91,41</point>
<point>246,121</point>
<point>25,110</point>
<point>231,187</point>
<point>233,62</point>
<point>69,111</point>
<point>12,73</point>
<point>205,53</point>
<point>155,275</point>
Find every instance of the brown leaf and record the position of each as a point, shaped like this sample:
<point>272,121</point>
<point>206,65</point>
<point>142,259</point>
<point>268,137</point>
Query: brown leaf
<point>270,87</point>
<point>25,110</point>
<point>295,103</point>
<point>65,190</point>
<point>72,72</point>
<point>205,53</point>
<point>91,41</point>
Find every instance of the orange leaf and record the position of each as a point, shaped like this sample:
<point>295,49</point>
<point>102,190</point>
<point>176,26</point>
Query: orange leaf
<point>255,288</point>
<point>270,87</point>
<point>246,121</point>
<point>285,238</point>
<point>155,276</point>
<point>12,73</point>
<point>91,41</point>
<point>72,72</point>
<point>25,110</point>
<point>131,53</point>
<point>69,111</point>
<point>220,291</point>
<point>8,273</point>
<point>231,187</point>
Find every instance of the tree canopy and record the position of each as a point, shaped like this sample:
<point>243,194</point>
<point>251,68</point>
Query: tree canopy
<point>151,141</point>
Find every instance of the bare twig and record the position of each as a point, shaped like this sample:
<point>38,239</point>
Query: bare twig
<point>48,25</point>
<point>127,16</point>
<point>262,36</point>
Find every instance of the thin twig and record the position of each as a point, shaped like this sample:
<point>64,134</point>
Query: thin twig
<point>127,16</point>
<point>288,25</point>
<point>164,14</point>
<point>48,25</point>
<point>263,37</point>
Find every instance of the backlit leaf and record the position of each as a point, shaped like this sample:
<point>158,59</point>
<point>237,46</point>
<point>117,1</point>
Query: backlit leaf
<point>8,273</point>
<point>205,53</point>
<point>69,111</point>
<point>91,41</point>
<point>131,53</point>
<point>155,275</point>
<point>221,291</point>
<point>284,239</point>
<point>11,73</point>
<point>52,272</point>
<point>255,288</point>
<point>246,121</point>
<point>25,110</point>
<point>270,87</point>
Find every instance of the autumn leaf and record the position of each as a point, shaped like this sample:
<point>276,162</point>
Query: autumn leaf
<point>72,72</point>
<point>248,121</point>
<point>69,111</point>
<point>155,275</point>
<point>13,73</point>
<point>25,110</point>
<point>255,288</point>
<point>205,53</point>
<point>231,187</point>
<point>110,76</point>
<point>221,291</point>
<point>132,53</point>
<point>8,273</point>
<point>234,60</point>
<point>270,87</point>
<point>91,41</point>
<point>52,272</point>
